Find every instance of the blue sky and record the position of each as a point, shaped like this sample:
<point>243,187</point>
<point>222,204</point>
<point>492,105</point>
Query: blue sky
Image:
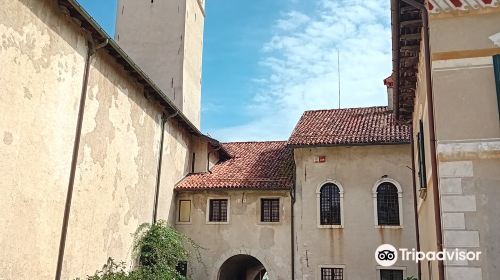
<point>266,61</point>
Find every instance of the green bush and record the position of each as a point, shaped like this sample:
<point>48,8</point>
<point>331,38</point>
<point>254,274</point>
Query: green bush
<point>158,249</point>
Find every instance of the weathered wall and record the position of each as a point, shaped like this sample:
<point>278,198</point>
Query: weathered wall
<point>193,46</point>
<point>357,169</point>
<point>171,49</point>
<point>244,234</point>
<point>159,51</point>
<point>116,172</point>
<point>42,57</point>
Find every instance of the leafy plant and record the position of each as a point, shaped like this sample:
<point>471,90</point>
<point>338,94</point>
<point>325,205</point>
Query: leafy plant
<point>158,249</point>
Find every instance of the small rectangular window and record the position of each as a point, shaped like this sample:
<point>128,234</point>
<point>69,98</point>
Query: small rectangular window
<point>270,210</point>
<point>391,274</point>
<point>330,273</point>
<point>184,211</point>
<point>218,210</point>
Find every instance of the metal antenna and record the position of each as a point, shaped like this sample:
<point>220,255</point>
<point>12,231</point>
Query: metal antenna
<point>338,70</point>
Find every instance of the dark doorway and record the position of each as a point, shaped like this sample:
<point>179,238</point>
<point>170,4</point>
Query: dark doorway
<point>242,267</point>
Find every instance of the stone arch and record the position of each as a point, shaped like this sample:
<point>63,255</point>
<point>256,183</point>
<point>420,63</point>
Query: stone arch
<point>243,251</point>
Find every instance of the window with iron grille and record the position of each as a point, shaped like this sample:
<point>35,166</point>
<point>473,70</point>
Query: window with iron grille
<point>330,273</point>
<point>270,210</point>
<point>387,204</point>
<point>329,205</point>
<point>390,274</point>
<point>218,210</point>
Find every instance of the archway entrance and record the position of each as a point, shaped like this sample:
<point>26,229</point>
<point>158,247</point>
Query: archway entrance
<point>242,267</point>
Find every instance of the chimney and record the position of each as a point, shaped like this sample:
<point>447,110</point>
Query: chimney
<point>389,83</point>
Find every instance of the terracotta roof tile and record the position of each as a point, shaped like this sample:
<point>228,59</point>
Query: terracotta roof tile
<point>253,165</point>
<point>353,126</point>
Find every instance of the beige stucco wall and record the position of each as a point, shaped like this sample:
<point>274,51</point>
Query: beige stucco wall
<point>244,234</point>
<point>40,85</point>
<point>43,56</point>
<point>464,30</point>
<point>356,169</point>
<point>165,38</point>
<point>467,134</point>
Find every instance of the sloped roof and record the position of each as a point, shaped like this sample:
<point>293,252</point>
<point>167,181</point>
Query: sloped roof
<point>253,165</point>
<point>353,126</point>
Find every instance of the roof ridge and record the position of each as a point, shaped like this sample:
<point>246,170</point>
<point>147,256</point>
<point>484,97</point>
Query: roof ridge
<point>345,109</point>
<point>255,142</point>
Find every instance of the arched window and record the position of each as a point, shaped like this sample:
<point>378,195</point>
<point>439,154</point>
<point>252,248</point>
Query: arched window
<point>330,205</point>
<point>388,204</point>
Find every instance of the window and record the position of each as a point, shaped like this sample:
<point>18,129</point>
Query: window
<point>496,67</point>
<point>387,204</point>
<point>421,156</point>
<point>218,210</point>
<point>332,273</point>
<point>329,205</point>
<point>181,268</point>
<point>389,274</point>
<point>184,211</point>
<point>270,210</point>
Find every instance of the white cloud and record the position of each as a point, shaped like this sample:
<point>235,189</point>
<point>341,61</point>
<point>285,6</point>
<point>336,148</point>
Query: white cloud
<point>301,59</point>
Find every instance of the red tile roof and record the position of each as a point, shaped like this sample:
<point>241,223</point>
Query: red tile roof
<point>253,165</point>
<point>353,126</point>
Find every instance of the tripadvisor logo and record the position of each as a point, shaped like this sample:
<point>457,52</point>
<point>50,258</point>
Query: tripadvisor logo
<point>387,255</point>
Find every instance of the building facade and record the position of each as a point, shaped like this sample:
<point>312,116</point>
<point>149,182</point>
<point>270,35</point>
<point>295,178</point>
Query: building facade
<point>62,74</point>
<point>450,95</point>
<point>314,207</point>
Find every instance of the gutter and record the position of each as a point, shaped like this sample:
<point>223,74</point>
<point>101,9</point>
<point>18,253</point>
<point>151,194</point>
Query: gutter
<point>164,119</point>
<point>92,48</point>
<point>432,131</point>
<point>415,204</point>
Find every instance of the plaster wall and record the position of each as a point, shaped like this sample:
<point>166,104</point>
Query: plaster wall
<point>165,38</point>
<point>243,234</point>
<point>356,169</point>
<point>43,56</point>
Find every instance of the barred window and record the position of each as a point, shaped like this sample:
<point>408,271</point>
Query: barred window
<point>390,274</point>
<point>328,273</point>
<point>387,204</point>
<point>270,210</point>
<point>329,206</point>
<point>218,210</point>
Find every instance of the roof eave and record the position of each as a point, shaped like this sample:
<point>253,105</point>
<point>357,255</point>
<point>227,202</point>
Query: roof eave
<point>348,145</point>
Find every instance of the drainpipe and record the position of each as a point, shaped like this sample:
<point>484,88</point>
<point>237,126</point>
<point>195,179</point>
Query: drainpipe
<point>92,48</point>
<point>292,227</point>
<point>164,119</point>
<point>415,202</point>
<point>432,131</point>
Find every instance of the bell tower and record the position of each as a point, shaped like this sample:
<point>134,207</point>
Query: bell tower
<point>165,38</point>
